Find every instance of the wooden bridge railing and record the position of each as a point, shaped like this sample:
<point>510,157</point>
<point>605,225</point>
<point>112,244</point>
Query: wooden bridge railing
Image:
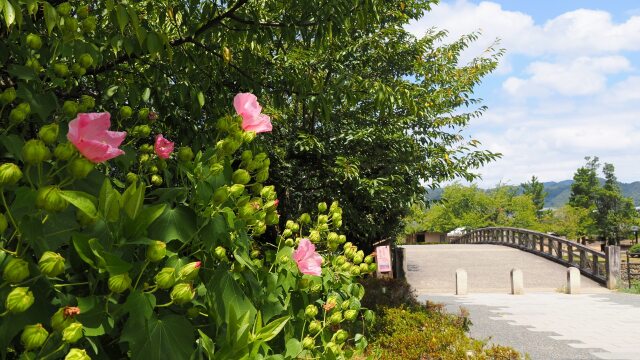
<point>601,267</point>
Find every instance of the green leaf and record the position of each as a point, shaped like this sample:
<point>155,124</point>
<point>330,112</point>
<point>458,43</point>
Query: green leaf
<point>178,223</point>
<point>122,17</point>
<point>13,144</point>
<point>207,344</point>
<point>21,72</point>
<point>114,263</point>
<point>42,104</point>
<point>148,215</point>
<point>9,13</point>
<point>132,200</point>
<point>294,348</point>
<point>81,244</point>
<point>81,200</point>
<point>272,329</point>
<point>109,203</point>
<point>140,304</point>
<point>170,337</point>
<point>154,43</point>
<point>50,16</point>
<point>200,98</point>
<point>146,94</point>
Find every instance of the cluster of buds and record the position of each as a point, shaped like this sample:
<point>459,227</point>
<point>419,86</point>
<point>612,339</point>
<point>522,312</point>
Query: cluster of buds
<point>354,261</point>
<point>180,282</point>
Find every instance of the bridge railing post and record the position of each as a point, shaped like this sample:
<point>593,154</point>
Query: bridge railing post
<point>612,266</point>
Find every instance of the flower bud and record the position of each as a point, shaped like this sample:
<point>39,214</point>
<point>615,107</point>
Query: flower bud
<point>350,252</point>
<point>70,108</point>
<point>334,206</point>
<point>364,268</point>
<point>34,41</point>
<point>165,278</point>
<point>8,96</point>
<point>64,151</point>
<point>357,259</point>
<point>189,271</point>
<point>49,133</point>
<point>322,207</point>
<point>131,178</point>
<point>226,55</point>
<point>80,168</point>
<point>89,24</point>
<point>87,103</point>
<point>60,320</point>
<point>125,111</point>
<point>34,65</point>
<point>16,270</point>
<point>335,318</point>
<point>185,154</point>
<point>355,271</point>
<point>311,311</point>
<point>119,283</point>
<point>64,9</point>
<point>83,11</point>
<point>77,354</point>
<point>330,303</point>
<point>345,267</point>
<point>78,70</point>
<point>16,116</point>
<point>350,315</point>
<point>315,326</point>
<point>284,259</point>
<point>236,190</point>
<point>340,260</point>
<point>35,151</point>
<point>289,242</point>
<point>220,253</point>
<point>368,259</point>
<point>49,199</point>
<point>19,300</point>
<point>182,293</point>
<point>51,264</point>
<point>248,136</point>
<point>85,60</point>
<point>373,267</point>
<point>156,251</point>
<point>340,336</point>
<point>241,176</point>
<point>272,218</point>
<point>33,336</point>
<point>156,180</point>
<point>314,236</point>
<point>220,195</point>
<point>262,176</point>
<point>10,174</point>
<point>61,70</point>
<point>308,343</point>
<point>323,219</point>
<point>70,25</point>
<point>72,333</point>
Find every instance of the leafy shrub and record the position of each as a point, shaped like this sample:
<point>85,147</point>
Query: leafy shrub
<point>634,249</point>
<point>385,292</point>
<point>418,333</point>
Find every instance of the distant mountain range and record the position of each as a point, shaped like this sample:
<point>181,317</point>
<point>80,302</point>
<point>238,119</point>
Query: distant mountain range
<point>558,192</point>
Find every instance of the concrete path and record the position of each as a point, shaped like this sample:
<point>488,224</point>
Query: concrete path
<point>431,268</point>
<point>543,323</point>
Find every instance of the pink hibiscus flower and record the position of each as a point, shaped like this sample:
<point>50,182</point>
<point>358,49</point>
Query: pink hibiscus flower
<point>163,147</point>
<point>247,107</point>
<point>90,134</point>
<point>308,260</point>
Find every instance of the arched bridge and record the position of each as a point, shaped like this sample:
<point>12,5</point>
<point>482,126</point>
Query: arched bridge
<point>486,255</point>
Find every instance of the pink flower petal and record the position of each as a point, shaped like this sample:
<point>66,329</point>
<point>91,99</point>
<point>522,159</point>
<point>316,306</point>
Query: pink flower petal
<point>90,134</point>
<point>163,147</point>
<point>308,260</point>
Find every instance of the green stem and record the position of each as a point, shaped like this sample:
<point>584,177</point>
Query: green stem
<point>165,305</point>
<point>53,352</point>
<point>146,263</point>
<point>72,284</point>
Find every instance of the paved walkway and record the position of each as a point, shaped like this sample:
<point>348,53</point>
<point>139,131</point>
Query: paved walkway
<point>543,323</point>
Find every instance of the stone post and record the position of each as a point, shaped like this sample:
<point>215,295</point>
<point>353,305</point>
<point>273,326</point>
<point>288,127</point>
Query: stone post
<point>612,255</point>
<point>573,280</point>
<point>517,283</point>
<point>461,282</point>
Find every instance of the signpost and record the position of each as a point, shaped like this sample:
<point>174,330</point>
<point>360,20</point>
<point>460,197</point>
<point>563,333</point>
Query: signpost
<point>383,259</point>
<point>635,232</point>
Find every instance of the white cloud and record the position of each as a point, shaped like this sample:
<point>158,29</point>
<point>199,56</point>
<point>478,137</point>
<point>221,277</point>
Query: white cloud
<point>580,76</point>
<point>626,90</point>
<point>579,32</point>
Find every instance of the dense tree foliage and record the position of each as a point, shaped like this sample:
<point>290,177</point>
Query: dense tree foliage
<point>535,189</point>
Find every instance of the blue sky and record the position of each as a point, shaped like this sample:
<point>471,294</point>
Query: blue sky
<point>568,86</point>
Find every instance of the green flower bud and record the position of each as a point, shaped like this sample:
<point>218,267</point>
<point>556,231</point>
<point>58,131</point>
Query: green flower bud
<point>189,271</point>
<point>342,238</point>
<point>51,264</point>
<point>156,180</point>
<point>78,70</point>
<point>34,65</point>
<point>35,152</point>
<point>289,242</point>
<point>368,259</point>
<point>295,227</point>
<point>19,300</point>
<point>315,326</point>
<point>314,236</point>
<point>357,259</point>
<point>70,108</point>
<point>146,148</point>
<point>10,174</point>
<point>323,219</point>
<point>89,24</point>
<point>311,311</point>
<point>63,318</point>
<point>153,169</point>
<point>333,237</point>
<point>119,283</point>
<point>355,271</point>
<point>72,333</point>
<point>49,133</point>
<point>308,343</point>
<point>185,154</point>
<point>165,278</point>
<point>145,130</point>
<point>7,96</point>
<point>220,195</point>
<point>70,25</point>
<point>131,178</point>
<point>33,336</point>
<point>373,267</point>
<point>83,11</point>
<point>340,336</point>
<point>350,252</point>
<point>340,260</point>
<point>241,176</point>
<point>143,114</point>
<point>272,218</point>
<point>156,251</point>
<point>16,270</point>
<point>262,176</point>
<point>346,267</point>
<point>305,218</point>
<point>64,151</point>
<point>64,9</point>
<point>350,315</point>
<point>87,103</point>
<point>364,268</point>
<point>125,111</point>
<point>49,199</point>
<point>236,190</point>
<point>144,158</point>
<point>85,60</point>
<point>335,318</point>
<point>16,116</point>
<point>34,41</point>
<point>322,207</point>
<point>332,347</point>
<point>182,293</point>
<point>216,168</point>
<point>80,168</point>
<point>61,70</point>
<point>248,136</point>
<point>220,253</point>
<point>77,354</point>
<point>284,259</point>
